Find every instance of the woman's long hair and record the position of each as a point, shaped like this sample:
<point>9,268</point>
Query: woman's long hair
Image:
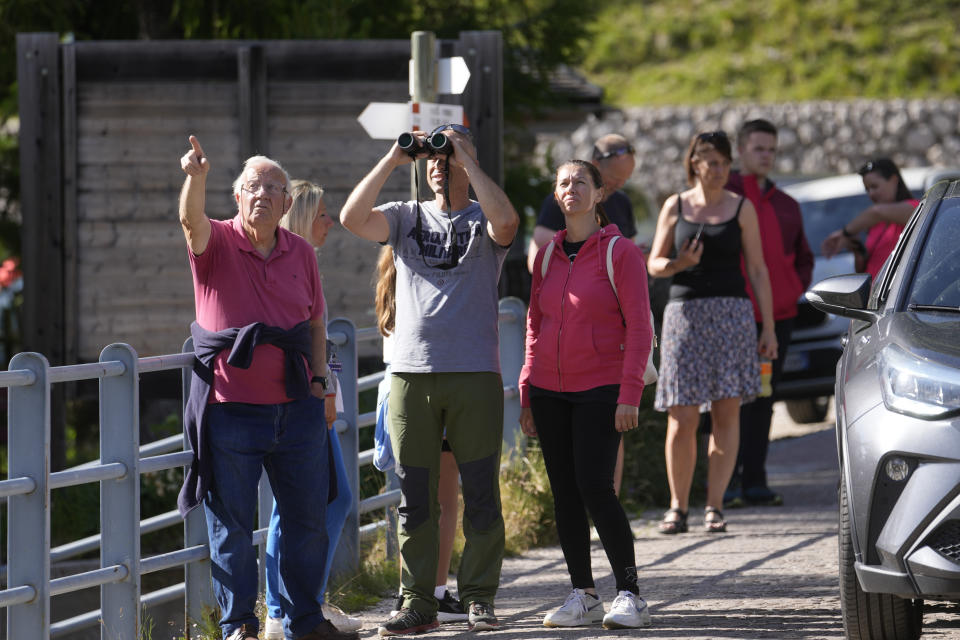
<point>385,301</point>
<point>306,200</point>
<point>886,168</point>
<point>597,179</point>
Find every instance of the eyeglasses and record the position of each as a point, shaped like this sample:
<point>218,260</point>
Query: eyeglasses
<point>459,128</point>
<point>272,189</point>
<point>622,151</point>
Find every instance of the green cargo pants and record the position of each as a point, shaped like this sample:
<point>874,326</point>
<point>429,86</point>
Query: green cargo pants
<point>470,407</point>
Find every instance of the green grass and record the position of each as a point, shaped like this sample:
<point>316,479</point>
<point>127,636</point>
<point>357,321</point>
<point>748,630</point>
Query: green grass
<point>528,514</point>
<point>694,51</point>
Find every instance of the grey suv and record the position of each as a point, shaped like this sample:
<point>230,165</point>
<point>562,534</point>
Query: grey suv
<point>898,426</point>
<point>826,205</point>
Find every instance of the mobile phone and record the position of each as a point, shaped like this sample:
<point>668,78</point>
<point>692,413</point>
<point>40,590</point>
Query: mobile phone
<point>696,237</point>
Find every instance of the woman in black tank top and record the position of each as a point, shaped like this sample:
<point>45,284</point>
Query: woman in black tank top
<point>709,349</point>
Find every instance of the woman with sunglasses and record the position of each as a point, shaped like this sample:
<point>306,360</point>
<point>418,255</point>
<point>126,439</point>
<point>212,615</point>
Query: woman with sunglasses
<point>709,346</point>
<point>588,339</point>
<point>883,221</point>
<point>307,217</point>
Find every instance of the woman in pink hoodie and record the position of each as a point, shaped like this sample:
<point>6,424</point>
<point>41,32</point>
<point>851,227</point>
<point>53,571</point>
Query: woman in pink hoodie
<point>588,338</point>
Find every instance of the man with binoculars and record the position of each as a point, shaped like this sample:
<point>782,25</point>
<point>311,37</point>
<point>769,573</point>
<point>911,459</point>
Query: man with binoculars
<point>449,251</point>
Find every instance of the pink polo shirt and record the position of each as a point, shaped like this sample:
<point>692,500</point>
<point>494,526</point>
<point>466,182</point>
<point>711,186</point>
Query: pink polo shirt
<point>233,286</point>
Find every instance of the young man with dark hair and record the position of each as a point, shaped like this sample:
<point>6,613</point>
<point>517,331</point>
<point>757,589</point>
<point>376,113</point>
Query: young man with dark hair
<point>790,265</point>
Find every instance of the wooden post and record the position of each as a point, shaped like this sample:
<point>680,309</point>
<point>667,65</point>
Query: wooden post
<point>483,97</point>
<point>252,98</point>
<point>423,48</point>
<point>41,200</point>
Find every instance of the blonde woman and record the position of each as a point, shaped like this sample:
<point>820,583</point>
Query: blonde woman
<point>307,217</point>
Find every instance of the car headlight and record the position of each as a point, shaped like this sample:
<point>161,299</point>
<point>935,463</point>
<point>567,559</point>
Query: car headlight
<point>917,387</point>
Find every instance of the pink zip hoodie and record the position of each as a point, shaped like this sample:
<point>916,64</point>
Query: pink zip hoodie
<point>576,338</point>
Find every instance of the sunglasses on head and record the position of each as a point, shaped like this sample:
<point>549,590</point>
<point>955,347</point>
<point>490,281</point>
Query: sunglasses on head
<point>882,166</point>
<point>710,136</point>
<point>622,151</point>
<point>459,128</point>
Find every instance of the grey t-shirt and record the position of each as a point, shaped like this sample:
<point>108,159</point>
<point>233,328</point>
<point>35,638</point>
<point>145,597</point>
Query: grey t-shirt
<point>446,318</point>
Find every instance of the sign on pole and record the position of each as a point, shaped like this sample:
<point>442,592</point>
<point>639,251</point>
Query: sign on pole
<point>427,116</point>
<point>387,120</point>
<point>452,75</point>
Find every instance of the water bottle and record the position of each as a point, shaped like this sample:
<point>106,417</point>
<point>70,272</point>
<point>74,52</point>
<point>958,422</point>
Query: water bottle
<point>766,373</point>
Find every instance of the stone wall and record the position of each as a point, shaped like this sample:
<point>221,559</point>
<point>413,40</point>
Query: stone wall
<point>816,138</point>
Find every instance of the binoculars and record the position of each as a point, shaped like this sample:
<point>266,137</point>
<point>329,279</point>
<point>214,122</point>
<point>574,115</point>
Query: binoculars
<point>436,145</point>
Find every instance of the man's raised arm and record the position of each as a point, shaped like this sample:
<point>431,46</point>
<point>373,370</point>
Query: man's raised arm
<point>196,224</point>
<point>358,214</point>
<point>502,218</point>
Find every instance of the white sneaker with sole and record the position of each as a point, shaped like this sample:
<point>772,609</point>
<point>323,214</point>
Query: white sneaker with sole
<point>579,609</point>
<point>628,611</point>
<point>273,629</point>
<point>339,618</point>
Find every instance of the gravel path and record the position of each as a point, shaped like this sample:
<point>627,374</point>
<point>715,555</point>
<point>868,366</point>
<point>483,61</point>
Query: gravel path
<point>772,575</point>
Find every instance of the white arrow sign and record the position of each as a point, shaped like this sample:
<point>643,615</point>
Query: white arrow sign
<point>387,120</point>
<point>452,75</point>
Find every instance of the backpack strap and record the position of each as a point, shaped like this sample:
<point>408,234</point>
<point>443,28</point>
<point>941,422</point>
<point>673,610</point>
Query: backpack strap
<point>546,260</point>
<point>613,284</point>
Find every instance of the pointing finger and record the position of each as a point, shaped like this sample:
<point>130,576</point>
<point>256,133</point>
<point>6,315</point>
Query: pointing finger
<point>196,146</point>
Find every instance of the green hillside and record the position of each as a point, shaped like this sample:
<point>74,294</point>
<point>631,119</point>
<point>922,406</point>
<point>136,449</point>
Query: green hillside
<point>697,51</point>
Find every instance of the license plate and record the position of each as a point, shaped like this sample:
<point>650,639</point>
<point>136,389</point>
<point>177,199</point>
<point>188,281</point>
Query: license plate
<point>796,362</point>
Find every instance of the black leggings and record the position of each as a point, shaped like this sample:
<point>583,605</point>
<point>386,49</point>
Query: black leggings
<point>580,445</point>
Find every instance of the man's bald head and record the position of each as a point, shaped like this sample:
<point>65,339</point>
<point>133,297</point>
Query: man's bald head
<point>613,156</point>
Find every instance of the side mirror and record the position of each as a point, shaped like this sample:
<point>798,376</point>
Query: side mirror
<point>845,296</point>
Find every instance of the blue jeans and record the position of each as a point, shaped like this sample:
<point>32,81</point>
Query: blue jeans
<point>290,441</point>
<point>336,515</point>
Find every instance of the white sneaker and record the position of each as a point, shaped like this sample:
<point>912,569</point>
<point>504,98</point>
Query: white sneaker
<point>273,630</point>
<point>339,618</point>
<point>579,609</point>
<point>628,611</point>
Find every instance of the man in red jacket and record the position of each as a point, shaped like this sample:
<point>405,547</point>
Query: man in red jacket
<point>790,265</point>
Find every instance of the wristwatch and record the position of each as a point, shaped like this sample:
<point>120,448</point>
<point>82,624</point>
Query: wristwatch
<point>321,379</point>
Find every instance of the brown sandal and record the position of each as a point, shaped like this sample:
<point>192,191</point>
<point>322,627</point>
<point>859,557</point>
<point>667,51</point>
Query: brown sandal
<point>670,525</point>
<point>715,524</point>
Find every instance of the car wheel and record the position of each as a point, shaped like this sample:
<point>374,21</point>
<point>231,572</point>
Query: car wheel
<point>807,410</point>
<point>871,616</point>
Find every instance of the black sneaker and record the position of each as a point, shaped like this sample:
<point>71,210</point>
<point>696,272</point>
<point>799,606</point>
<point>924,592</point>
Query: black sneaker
<point>762,496</point>
<point>326,631</point>
<point>407,622</point>
<point>481,617</point>
<point>733,496</point>
<point>398,606</point>
<point>449,609</point>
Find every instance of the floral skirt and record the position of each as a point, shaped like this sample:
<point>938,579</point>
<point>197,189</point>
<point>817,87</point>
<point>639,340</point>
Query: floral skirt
<point>708,352</point>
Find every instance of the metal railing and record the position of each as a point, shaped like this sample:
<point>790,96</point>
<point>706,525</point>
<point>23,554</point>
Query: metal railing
<point>123,460</point>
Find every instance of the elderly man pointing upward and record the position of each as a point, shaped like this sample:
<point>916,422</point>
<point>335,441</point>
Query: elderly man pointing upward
<point>256,400</point>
